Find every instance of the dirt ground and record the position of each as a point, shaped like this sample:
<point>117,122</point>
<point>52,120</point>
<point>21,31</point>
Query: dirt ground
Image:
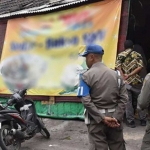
<point>72,135</point>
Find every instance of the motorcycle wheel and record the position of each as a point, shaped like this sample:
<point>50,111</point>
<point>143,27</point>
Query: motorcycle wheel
<point>45,133</point>
<point>7,141</point>
<point>43,129</point>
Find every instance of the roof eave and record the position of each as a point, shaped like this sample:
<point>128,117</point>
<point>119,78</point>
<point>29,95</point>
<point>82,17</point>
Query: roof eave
<point>41,9</point>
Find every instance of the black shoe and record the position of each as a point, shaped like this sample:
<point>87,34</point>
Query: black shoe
<point>131,124</point>
<point>143,123</point>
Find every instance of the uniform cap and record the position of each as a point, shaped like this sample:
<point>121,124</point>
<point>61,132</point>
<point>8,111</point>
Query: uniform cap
<point>85,50</point>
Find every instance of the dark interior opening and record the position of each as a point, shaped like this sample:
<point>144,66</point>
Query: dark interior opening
<point>139,26</point>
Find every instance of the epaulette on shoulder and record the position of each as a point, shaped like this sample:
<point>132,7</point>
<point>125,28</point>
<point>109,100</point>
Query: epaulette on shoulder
<point>84,71</point>
<point>147,76</point>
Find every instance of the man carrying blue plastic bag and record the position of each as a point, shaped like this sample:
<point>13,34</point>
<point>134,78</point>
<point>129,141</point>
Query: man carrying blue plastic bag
<point>104,101</point>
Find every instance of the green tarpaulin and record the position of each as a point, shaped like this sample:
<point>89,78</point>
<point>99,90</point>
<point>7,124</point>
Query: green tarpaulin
<point>61,110</point>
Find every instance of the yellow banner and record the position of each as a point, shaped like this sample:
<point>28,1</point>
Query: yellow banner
<point>42,51</point>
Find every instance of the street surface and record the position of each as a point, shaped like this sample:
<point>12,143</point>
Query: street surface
<point>72,135</point>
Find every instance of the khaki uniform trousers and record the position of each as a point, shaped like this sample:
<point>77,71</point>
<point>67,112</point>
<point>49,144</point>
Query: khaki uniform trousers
<point>146,139</point>
<point>102,137</point>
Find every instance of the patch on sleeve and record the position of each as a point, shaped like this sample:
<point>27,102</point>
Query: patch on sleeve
<point>83,89</point>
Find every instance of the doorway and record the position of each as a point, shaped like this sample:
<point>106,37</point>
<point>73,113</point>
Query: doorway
<point>139,26</point>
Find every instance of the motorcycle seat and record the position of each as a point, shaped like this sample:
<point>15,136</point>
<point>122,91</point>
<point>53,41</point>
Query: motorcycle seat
<point>8,111</point>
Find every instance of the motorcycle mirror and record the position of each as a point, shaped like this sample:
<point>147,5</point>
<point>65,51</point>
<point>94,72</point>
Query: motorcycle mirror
<point>22,92</point>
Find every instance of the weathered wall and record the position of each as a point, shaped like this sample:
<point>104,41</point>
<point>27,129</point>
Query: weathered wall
<point>3,25</point>
<point>123,25</point>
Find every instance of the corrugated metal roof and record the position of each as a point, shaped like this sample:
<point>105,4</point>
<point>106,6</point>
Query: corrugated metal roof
<point>51,5</point>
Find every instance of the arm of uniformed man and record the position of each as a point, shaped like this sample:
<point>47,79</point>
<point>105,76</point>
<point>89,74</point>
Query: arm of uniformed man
<point>123,97</point>
<point>84,93</point>
<point>144,97</point>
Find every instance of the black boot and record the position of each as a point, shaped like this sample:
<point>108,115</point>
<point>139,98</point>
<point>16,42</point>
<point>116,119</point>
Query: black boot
<point>143,122</point>
<point>131,124</point>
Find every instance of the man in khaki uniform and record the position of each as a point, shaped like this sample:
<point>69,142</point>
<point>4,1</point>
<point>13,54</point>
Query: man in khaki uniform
<point>104,101</point>
<point>144,103</point>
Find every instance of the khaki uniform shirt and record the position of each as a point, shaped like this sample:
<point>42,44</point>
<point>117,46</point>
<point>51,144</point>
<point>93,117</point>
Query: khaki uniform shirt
<point>104,92</point>
<point>144,97</point>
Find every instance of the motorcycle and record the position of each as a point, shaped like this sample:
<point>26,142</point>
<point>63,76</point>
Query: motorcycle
<point>19,124</point>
